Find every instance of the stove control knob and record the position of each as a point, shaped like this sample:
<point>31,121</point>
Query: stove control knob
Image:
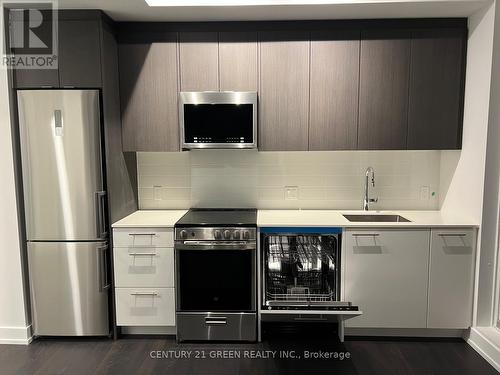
<point>236,234</point>
<point>227,234</point>
<point>246,235</point>
<point>217,234</point>
<point>184,234</point>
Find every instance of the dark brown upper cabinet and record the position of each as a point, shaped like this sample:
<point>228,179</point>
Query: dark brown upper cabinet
<point>334,79</point>
<point>79,53</point>
<point>383,91</point>
<point>199,59</point>
<point>238,61</point>
<point>436,89</point>
<point>149,95</point>
<point>284,91</point>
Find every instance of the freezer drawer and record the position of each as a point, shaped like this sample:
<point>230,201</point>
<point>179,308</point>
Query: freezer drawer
<point>144,267</point>
<point>145,306</point>
<point>69,288</point>
<point>216,326</point>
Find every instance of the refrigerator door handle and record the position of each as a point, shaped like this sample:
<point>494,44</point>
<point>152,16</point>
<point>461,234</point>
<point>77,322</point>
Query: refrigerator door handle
<point>100,203</point>
<point>102,268</point>
<point>58,122</point>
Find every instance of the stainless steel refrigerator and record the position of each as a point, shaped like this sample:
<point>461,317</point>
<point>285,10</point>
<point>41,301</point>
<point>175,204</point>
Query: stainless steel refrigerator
<point>65,209</point>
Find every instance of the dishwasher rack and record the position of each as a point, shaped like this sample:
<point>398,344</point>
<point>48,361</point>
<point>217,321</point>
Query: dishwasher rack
<point>301,270</point>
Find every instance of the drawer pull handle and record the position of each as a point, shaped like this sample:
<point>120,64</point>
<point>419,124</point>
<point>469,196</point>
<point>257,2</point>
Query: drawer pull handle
<point>452,234</point>
<point>142,234</point>
<point>216,321</point>
<point>144,294</point>
<point>366,234</point>
<point>142,254</point>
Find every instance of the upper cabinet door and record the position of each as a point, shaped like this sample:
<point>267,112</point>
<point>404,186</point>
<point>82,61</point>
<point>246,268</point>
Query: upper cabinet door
<point>238,61</point>
<point>383,96</point>
<point>79,53</point>
<point>334,90</point>
<point>29,78</point>
<point>199,61</point>
<point>148,91</point>
<point>284,91</point>
<point>436,89</point>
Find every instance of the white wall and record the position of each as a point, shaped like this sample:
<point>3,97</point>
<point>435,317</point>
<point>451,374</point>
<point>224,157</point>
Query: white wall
<point>490,221</point>
<point>463,172</point>
<point>13,322</point>
<point>325,180</point>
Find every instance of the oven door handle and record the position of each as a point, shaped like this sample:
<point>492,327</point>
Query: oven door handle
<point>214,245</point>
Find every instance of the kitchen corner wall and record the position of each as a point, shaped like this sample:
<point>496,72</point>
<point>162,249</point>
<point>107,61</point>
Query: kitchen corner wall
<point>324,180</point>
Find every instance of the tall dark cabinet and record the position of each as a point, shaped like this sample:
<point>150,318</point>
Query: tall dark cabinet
<point>334,80</point>
<point>284,91</point>
<point>383,90</point>
<point>79,55</point>
<point>148,93</point>
<point>436,92</point>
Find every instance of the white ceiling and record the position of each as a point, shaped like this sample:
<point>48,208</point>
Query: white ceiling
<point>138,10</point>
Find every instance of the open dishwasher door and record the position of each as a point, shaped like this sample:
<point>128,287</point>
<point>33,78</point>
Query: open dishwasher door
<point>301,276</point>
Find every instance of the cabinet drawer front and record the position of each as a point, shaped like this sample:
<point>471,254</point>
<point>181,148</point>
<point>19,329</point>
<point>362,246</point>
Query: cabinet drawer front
<point>145,306</point>
<point>386,275</point>
<point>144,267</point>
<point>451,280</point>
<point>143,237</point>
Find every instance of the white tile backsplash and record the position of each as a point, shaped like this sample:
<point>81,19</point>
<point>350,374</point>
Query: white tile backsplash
<point>325,180</point>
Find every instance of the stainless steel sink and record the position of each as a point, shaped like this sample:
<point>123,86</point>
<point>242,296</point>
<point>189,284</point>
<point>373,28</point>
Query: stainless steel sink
<point>377,218</point>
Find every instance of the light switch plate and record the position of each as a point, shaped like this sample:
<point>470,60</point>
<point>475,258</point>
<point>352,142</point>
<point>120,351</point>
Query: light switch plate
<point>425,192</point>
<point>291,193</point>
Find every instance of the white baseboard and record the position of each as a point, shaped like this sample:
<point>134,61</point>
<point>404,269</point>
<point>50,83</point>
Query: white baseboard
<point>486,341</point>
<point>16,335</point>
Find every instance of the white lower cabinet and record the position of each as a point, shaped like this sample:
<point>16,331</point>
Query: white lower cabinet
<point>144,272</point>
<point>386,275</point>
<point>144,267</point>
<point>451,278</point>
<point>145,306</point>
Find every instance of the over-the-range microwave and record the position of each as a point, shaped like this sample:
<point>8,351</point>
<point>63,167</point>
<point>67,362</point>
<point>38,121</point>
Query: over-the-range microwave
<point>218,119</point>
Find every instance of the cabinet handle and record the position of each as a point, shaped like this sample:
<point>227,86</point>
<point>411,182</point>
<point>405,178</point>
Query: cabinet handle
<point>452,234</point>
<point>144,294</point>
<point>365,234</point>
<point>142,234</point>
<point>144,254</point>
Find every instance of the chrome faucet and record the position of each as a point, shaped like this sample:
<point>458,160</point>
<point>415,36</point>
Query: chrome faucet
<point>368,200</point>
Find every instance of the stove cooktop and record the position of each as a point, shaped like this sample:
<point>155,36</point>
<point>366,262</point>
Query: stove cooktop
<point>212,217</point>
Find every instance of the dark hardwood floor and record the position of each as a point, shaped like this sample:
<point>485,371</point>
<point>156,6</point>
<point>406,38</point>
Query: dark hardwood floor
<point>133,356</point>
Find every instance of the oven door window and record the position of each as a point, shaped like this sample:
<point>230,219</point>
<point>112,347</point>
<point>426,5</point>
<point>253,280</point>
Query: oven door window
<point>215,280</point>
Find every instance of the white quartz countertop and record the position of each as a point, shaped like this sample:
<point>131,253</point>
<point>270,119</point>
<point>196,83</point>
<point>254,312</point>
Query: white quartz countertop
<point>332,218</point>
<point>305,218</point>
<point>150,218</point>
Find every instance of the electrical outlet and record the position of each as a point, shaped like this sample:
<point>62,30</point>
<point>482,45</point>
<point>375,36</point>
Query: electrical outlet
<point>157,193</point>
<point>291,192</point>
<point>425,192</point>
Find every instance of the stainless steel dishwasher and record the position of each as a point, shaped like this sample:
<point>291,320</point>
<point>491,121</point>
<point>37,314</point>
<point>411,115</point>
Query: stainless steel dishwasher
<point>300,276</point>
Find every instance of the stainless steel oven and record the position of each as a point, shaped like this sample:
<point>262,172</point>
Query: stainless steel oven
<point>212,119</point>
<point>216,284</point>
